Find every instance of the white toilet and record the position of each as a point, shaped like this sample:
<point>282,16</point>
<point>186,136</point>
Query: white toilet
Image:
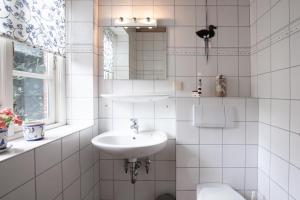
<point>217,191</point>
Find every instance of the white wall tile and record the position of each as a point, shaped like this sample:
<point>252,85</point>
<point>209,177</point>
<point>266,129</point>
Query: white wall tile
<point>14,173</point>
<point>228,37</point>
<point>251,133</point>
<point>264,86</point>
<point>186,133</point>
<point>70,170</point>
<point>187,156</point>
<point>185,36</point>
<point>264,60</point>
<point>264,160</point>
<point>187,178</point>
<point>185,65</point>
<point>294,6</point>
<point>106,169</point>
<point>86,183</point>
<point>279,171</point>
<point>263,25</point>
<point>251,179</point>
<point>210,156</point>
<point>145,190</point>
<point>262,7</point>
<point>106,189</point>
<point>227,15</point>
<point>210,175</point>
<point>264,110</point>
<point>85,137</point>
<point>295,109</point>
<point>264,184</point>
<point>186,195</point>
<point>47,156</point>
<point>280,142</point>
<point>236,135</point>
<point>232,86</point>
<point>251,109</point>
<point>123,190</point>
<point>277,193</point>
<point>26,191</point>
<point>280,113</point>
<point>294,182</point>
<point>280,15</point>
<point>165,170</point>
<point>280,54</point>
<point>234,177</point>
<point>295,92</point>
<point>281,84</point>
<point>294,41</point>
<point>185,15</point>
<point>264,135</point>
<point>49,184</point>
<point>251,155</point>
<point>210,136</point>
<point>294,149</point>
<point>228,65</point>
<point>238,160</point>
<point>86,158</point>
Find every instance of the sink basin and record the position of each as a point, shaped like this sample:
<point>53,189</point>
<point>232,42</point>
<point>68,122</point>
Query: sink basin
<point>128,145</point>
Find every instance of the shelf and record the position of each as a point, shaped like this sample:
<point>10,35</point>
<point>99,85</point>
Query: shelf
<point>146,97</point>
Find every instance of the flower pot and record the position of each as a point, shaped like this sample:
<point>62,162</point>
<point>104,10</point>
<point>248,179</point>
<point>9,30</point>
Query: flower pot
<point>33,131</point>
<point>3,138</point>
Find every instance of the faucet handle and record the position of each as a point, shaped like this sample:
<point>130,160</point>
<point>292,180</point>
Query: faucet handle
<point>134,120</point>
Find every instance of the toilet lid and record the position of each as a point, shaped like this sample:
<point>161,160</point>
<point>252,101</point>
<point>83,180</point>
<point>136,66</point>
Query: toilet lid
<point>217,192</point>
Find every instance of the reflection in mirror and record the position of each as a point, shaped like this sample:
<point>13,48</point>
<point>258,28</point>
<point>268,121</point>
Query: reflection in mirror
<point>134,54</point>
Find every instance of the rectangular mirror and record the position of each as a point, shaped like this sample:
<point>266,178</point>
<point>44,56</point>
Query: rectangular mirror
<point>135,53</point>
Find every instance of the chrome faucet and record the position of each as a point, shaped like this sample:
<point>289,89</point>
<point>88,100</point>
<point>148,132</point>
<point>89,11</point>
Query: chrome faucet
<point>134,125</point>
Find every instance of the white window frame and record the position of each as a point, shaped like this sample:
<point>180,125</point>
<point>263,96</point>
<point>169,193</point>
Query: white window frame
<point>57,101</point>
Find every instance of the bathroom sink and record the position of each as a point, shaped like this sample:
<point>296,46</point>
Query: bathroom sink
<point>130,145</point>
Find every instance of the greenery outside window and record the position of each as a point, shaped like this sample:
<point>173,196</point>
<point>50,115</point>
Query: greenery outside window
<point>32,83</point>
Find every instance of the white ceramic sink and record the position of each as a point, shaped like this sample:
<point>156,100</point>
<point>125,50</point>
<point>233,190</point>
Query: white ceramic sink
<point>129,145</point>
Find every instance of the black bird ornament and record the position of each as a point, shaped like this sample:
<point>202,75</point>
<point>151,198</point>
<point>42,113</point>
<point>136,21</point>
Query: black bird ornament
<point>207,34</point>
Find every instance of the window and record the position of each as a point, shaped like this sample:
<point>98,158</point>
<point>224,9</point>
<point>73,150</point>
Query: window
<point>32,83</point>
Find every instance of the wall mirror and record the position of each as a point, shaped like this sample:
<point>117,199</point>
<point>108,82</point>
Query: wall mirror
<point>134,53</point>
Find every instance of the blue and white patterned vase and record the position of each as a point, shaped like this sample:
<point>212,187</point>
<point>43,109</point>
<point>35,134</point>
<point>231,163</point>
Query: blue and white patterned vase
<point>33,131</point>
<point>3,138</point>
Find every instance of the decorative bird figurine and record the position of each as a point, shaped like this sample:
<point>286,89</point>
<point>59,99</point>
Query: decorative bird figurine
<point>206,34</point>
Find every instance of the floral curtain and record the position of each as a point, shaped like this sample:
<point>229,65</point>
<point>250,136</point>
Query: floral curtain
<point>38,23</point>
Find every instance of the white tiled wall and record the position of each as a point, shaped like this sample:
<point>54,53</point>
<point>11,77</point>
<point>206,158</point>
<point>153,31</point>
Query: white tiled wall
<point>81,75</point>
<point>201,155</point>
<point>205,155</point>
<point>275,68</point>
<point>58,170</point>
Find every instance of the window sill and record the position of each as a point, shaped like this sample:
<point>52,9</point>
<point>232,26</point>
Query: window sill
<point>21,146</point>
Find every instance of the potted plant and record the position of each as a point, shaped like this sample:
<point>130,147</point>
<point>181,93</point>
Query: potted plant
<point>7,117</point>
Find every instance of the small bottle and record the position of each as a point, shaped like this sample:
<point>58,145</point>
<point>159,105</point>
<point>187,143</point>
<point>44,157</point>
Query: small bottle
<point>199,87</point>
<point>220,86</point>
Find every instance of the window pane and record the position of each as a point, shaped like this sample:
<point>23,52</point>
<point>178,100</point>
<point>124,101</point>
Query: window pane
<point>30,98</point>
<point>28,59</point>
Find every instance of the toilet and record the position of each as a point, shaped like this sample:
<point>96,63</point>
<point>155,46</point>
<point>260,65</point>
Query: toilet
<point>217,191</point>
